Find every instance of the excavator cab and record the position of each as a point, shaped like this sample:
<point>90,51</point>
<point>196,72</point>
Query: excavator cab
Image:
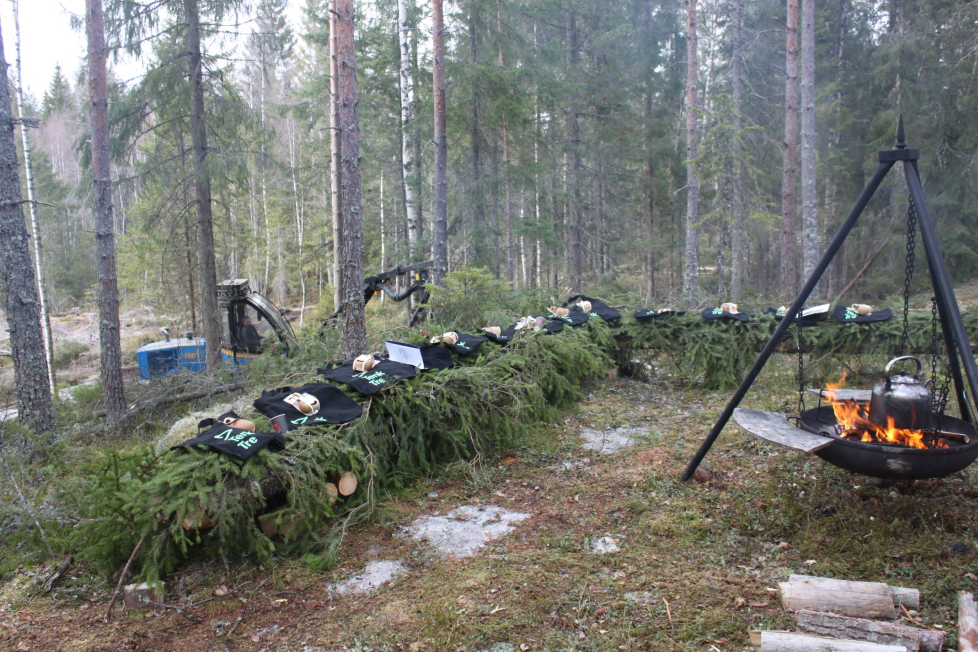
<point>252,325</point>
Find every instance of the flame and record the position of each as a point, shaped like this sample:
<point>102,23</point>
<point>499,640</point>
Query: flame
<point>854,423</point>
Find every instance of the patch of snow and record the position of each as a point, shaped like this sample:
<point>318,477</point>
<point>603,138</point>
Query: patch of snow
<point>464,530</point>
<point>607,442</point>
<point>641,598</point>
<point>500,647</point>
<point>373,575</point>
<point>604,546</point>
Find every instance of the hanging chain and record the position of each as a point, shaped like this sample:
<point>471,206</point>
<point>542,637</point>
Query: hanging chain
<point>940,394</point>
<point>801,366</point>
<point>908,277</point>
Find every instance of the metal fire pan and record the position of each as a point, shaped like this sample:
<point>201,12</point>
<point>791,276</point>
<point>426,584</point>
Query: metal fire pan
<point>892,461</point>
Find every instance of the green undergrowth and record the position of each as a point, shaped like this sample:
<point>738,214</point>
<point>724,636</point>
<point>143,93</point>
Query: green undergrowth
<point>717,354</point>
<point>409,431</point>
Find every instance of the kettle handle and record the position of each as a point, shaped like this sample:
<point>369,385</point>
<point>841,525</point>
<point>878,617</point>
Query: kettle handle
<point>889,364</point>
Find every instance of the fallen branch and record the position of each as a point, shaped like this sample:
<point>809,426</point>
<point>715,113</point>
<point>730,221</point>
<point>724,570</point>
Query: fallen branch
<point>57,574</point>
<point>147,404</point>
<point>122,579</point>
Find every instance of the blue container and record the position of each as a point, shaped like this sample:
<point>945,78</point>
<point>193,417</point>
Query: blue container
<point>162,358</point>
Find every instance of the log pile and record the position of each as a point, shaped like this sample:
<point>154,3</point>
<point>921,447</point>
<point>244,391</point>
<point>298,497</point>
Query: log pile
<point>841,616</point>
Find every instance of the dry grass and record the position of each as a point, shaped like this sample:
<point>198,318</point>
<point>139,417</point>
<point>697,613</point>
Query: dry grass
<point>693,571</point>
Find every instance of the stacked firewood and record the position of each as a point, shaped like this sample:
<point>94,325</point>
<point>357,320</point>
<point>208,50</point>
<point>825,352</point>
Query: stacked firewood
<point>842,616</point>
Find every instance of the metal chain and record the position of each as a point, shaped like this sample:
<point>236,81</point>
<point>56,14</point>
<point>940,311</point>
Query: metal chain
<point>801,365</point>
<point>908,276</point>
<point>940,394</point>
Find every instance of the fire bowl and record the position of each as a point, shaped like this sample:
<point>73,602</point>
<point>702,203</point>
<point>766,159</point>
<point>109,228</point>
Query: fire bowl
<point>892,461</point>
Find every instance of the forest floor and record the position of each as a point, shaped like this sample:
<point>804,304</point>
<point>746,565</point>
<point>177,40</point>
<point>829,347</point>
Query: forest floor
<point>614,552</point>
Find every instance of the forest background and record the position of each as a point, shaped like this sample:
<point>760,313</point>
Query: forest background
<point>567,132</point>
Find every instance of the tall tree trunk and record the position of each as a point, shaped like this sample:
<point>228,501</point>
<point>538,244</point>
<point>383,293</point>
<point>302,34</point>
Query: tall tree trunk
<point>36,408</point>
<point>209,314</point>
<point>789,209</point>
<point>691,260</point>
<point>298,208</point>
<point>440,231</point>
<point>335,147</point>
<point>32,206</point>
<point>737,263</point>
<point>408,165</point>
<point>837,269</point>
<point>809,211</point>
<point>510,241</point>
<point>480,232</point>
<point>110,348</point>
<point>351,251</point>
<point>571,164</point>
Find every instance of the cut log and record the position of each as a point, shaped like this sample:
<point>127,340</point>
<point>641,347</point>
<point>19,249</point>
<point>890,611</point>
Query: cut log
<point>197,519</point>
<point>332,493</point>
<point>967,623</point>
<point>347,484</point>
<point>902,596</point>
<point>860,629</point>
<point>857,599</point>
<point>271,527</point>
<point>792,642</point>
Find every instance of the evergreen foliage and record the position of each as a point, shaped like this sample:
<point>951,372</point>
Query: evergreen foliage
<point>407,432</point>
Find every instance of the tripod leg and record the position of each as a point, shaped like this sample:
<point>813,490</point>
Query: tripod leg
<point>789,316</point>
<point>943,289</point>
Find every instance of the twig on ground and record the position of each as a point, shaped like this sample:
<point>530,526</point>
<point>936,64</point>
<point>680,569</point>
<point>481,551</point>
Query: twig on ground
<point>57,574</point>
<point>122,578</point>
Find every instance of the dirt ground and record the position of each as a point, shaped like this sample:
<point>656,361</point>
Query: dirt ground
<point>689,567</point>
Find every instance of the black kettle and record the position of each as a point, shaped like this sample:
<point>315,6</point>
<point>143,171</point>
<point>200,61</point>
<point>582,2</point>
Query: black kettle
<point>901,398</point>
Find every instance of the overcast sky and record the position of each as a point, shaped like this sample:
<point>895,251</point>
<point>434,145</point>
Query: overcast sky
<point>47,39</point>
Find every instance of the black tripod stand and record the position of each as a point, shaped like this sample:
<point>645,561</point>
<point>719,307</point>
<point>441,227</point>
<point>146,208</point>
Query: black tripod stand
<point>952,325</point>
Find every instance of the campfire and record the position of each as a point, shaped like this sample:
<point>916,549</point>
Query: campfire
<point>853,423</point>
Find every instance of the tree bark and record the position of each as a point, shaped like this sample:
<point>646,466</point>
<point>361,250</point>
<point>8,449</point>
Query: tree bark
<point>791,642</point>
<point>789,212</point>
<point>209,314</point>
<point>440,234</point>
<point>480,232</point>
<point>110,348</point>
<point>967,622</point>
<point>855,599</point>
<point>32,206</point>
<point>351,249</point>
<point>571,164</point>
<point>739,210</point>
<point>510,241</point>
<point>691,260</point>
<point>408,164</point>
<point>809,210</point>
<point>335,146</point>
<point>21,302</point>
<point>874,631</point>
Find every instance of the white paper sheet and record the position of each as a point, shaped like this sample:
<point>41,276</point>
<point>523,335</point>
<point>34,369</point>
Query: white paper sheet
<point>405,354</point>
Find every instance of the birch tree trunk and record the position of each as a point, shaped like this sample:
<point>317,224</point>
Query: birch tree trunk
<point>691,260</point>
<point>335,146</point>
<point>34,402</point>
<point>32,207</point>
<point>740,214</point>
<point>440,231</point>
<point>351,250</point>
<point>789,210</point>
<point>110,349</point>
<point>571,164</point>
<point>809,211</point>
<point>408,165</point>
